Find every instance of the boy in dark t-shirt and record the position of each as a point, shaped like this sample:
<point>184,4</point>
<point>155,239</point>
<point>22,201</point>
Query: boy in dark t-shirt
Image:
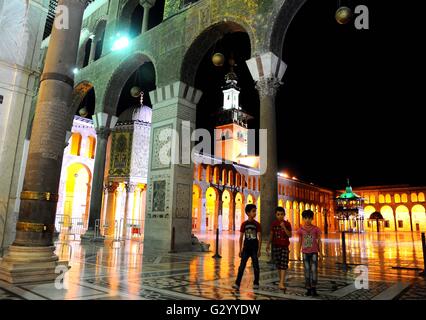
<point>251,233</point>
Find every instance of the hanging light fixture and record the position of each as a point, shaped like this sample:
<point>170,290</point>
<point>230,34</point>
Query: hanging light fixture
<point>343,14</point>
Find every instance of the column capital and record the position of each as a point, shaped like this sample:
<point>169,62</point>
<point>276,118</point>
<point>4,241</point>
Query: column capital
<point>103,120</point>
<point>270,69</point>
<point>175,91</point>
<point>102,133</point>
<point>147,3</point>
<point>112,187</point>
<point>131,187</point>
<point>268,86</point>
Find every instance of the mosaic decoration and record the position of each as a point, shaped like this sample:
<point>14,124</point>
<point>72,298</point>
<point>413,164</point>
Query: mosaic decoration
<point>159,196</point>
<point>183,200</point>
<point>121,154</point>
<point>162,142</point>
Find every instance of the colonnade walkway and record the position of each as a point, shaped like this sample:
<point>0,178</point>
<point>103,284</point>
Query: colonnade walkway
<point>127,270</point>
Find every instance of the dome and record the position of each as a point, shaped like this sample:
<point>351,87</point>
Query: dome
<point>140,113</point>
<point>376,216</point>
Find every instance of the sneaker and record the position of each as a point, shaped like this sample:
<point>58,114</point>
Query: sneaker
<point>314,292</point>
<point>256,286</point>
<point>309,292</point>
<point>235,286</point>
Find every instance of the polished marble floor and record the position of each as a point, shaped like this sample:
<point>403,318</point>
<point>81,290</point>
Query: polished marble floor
<point>127,270</point>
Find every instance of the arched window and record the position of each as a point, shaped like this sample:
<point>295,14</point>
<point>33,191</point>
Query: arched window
<point>136,22</point>
<point>397,198</point>
<point>388,198</point>
<point>366,198</point>
<point>421,197</point>
<point>91,147</point>
<point>75,144</point>
<point>87,49</point>
<point>381,198</point>
<point>99,39</point>
<point>414,197</point>
<point>404,198</point>
<point>372,198</point>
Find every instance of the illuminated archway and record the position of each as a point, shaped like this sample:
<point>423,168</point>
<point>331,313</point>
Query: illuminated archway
<point>196,207</point>
<point>211,208</point>
<point>77,193</point>
<point>75,144</point>
<point>368,225</point>
<point>296,214</point>
<point>403,219</point>
<point>418,214</point>
<point>387,214</point>
<point>404,198</point>
<point>397,198</point>
<point>239,210</point>
<point>413,197</point>
<point>421,197</point>
<point>281,203</point>
<point>227,210</point>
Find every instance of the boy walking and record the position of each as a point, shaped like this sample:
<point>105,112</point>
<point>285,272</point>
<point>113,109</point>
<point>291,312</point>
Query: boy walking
<point>280,238</point>
<point>310,245</point>
<point>251,233</point>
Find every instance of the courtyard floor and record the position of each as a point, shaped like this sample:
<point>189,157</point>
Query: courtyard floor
<point>127,270</point>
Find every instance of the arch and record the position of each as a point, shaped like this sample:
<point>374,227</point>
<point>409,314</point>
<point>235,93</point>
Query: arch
<point>238,179</point>
<point>227,210</point>
<point>281,203</point>
<point>387,213</point>
<point>87,47</point>
<point>372,199</point>
<point>418,214</point>
<point>402,215</point>
<point>404,198</point>
<point>381,198</point>
<point>99,36</point>
<point>77,192</point>
<point>75,147</point>
<point>421,197</point>
<point>209,174</point>
<point>119,78</point>
<point>212,206</point>
<point>239,210</point>
<point>224,177</point>
<point>368,210</point>
<point>231,181</point>
<point>397,198</point>
<point>251,199</point>
<point>216,175</point>
<point>126,15</point>
<point>204,41</point>
<point>388,198</point>
<point>91,147</point>
<point>413,197</point>
<point>79,92</point>
<point>366,198</point>
<point>281,24</point>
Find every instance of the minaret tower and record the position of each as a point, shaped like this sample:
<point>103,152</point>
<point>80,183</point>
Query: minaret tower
<point>231,131</point>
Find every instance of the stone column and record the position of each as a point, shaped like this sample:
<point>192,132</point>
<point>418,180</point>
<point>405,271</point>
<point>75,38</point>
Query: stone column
<point>147,5</point>
<point>169,197</point>
<point>92,49</point>
<point>128,210</point>
<point>109,222</point>
<point>267,71</point>
<point>103,124</point>
<point>203,213</point>
<point>31,257</point>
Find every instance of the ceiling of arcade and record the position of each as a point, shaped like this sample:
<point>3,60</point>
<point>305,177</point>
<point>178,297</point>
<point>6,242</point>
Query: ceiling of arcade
<point>187,36</point>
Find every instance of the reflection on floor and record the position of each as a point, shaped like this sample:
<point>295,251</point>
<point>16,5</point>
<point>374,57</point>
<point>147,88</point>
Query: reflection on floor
<point>125,270</point>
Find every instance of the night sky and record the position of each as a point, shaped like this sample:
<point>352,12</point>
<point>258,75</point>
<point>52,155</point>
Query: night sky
<point>351,104</point>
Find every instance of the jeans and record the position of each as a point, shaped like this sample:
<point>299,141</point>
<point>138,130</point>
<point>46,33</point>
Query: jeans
<point>245,255</point>
<point>310,262</point>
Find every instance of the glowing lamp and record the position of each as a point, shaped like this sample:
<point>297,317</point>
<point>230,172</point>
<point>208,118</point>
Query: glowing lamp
<point>120,43</point>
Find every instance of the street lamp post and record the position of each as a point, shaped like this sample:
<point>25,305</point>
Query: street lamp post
<point>325,221</point>
<point>221,188</point>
